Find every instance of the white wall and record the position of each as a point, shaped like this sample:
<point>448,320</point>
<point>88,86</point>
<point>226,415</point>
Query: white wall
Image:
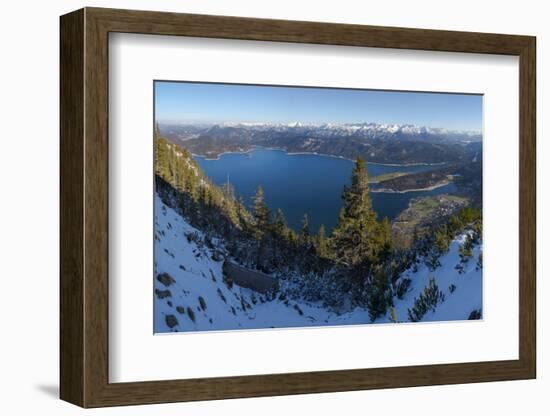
<point>29,207</point>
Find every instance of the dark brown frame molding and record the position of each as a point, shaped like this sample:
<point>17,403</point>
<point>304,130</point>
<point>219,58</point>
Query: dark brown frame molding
<point>84,208</point>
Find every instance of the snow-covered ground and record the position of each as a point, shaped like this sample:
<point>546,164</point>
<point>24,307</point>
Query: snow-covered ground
<point>458,304</point>
<point>195,297</point>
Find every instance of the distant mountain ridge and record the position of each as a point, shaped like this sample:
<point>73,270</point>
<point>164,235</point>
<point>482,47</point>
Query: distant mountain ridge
<point>381,143</point>
<point>366,129</point>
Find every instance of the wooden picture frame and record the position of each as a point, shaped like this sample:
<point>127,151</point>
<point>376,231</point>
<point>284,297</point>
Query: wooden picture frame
<point>84,207</point>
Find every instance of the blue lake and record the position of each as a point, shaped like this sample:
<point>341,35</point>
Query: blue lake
<point>305,183</point>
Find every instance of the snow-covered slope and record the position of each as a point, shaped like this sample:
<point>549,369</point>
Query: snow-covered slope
<point>191,295</point>
<point>460,302</point>
<point>196,275</point>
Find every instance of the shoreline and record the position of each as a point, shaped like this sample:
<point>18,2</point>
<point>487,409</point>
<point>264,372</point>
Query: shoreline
<point>391,191</point>
<point>244,152</point>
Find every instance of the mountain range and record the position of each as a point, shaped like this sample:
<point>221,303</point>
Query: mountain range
<point>381,143</point>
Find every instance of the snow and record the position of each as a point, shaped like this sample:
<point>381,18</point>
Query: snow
<point>196,274</point>
<point>457,305</point>
<point>368,129</point>
<point>197,279</point>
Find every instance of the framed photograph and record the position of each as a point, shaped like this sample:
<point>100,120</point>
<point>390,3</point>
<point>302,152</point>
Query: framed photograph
<point>260,207</point>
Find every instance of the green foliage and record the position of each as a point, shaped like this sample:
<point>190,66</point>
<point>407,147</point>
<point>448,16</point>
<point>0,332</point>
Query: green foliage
<point>466,249</point>
<point>378,293</point>
<point>176,167</point>
<point>432,259</point>
<point>261,213</point>
<point>466,252</point>
<point>359,239</point>
<point>432,245</point>
<point>305,235</point>
<point>430,297</point>
<point>442,239</point>
<point>242,214</point>
<point>403,287</point>
<point>228,190</point>
<point>321,243</point>
<point>279,223</point>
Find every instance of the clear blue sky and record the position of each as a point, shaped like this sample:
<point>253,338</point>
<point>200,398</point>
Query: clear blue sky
<point>217,103</point>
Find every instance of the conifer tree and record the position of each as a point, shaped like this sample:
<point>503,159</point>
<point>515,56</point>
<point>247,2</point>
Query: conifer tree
<point>428,300</point>
<point>356,237</point>
<point>191,184</point>
<point>279,223</point>
<point>384,236</point>
<point>228,201</point>
<point>261,213</point>
<point>158,146</point>
<point>205,196</point>
<point>305,234</point>
<point>161,157</point>
<point>442,240</point>
<point>228,189</point>
<point>321,243</point>
<point>378,292</point>
<point>242,214</point>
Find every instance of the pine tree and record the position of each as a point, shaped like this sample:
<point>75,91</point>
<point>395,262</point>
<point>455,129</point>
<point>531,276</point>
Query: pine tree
<point>161,157</point>
<point>205,196</point>
<point>378,293</point>
<point>305,234</point>
<point>279,223</point>
<point>384,236</point>
<point>428,299</point>
<point>228,189</point>
<point>356,238</point>
<point>243,215</point>
<point>466,249</point>
<point>229,203</point>
<point>442,240</point>
<point>321,243</point>
<point>158,147</point>
<point>261,213</point>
